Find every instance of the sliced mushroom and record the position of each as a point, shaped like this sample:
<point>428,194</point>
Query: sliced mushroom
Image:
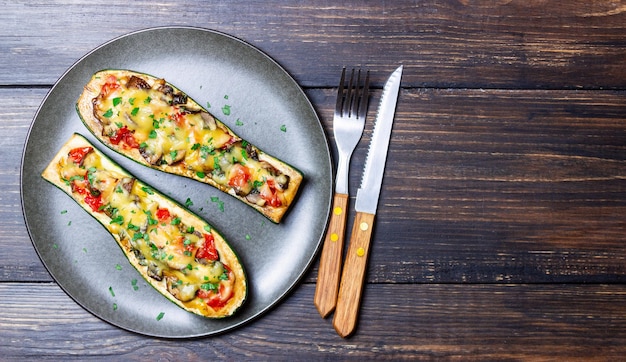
<point>271,169</point>
<point>136,82</point>
<point>252,152</point>
<point>155,271</point>
<point>208,121</point>
<point>255,198</point>
<point>150,156</point>
<point>179,98</point>
<point>182,292</point>
<point>282,182</point>
<point>126,184</point>
<point>164,88</point>
<point>140,258</point>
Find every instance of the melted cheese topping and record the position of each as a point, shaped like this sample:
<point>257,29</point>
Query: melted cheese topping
<point>159,122</point>
<point>161,241</point>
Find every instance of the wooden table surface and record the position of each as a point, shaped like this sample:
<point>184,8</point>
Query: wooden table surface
<point>502,219</point>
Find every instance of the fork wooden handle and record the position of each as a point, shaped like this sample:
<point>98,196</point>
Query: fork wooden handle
<point>330,261</point>
<point>353,275</point>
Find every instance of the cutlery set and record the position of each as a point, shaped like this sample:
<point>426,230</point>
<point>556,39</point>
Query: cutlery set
<point>338,288</point>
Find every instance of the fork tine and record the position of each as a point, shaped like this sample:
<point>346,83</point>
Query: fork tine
<point>349,98</point>
<point>339,105</point>
<point>362,111</point>
<point>355,96</point>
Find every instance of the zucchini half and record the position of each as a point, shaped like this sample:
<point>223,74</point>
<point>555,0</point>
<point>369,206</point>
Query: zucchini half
<point>174,250</point>
<point>154,123</point>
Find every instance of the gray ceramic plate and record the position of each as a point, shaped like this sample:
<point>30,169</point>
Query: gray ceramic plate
<point>267,108</point>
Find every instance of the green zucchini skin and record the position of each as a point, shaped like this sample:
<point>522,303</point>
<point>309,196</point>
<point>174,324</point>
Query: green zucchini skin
<point>85,109</point>
<point>227,255</point>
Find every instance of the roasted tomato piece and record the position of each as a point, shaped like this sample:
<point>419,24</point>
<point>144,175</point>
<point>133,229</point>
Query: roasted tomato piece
<point>124,135</point>
<point>208,250</point>
<point>108,87</point>
<point>163,215</point>
<point>77,155</point>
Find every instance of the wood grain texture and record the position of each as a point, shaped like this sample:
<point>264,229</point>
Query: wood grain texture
<point>353,275</point>
<point>484,322</point>
<point>454,43</point>
<point>331,257</point>
<point>500,228</point>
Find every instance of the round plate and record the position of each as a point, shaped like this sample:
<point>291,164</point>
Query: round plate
<point>267,108</point>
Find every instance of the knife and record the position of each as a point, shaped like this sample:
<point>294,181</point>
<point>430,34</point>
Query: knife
<point>353,275</point>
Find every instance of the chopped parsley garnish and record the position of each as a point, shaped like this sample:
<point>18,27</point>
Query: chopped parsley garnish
<point>238,122</point>
<point>176,221</point>
<point>152,134</point>
<point>205,151</point>
<point>133,227</point>
<point>134,111</point>
<point>200,174</point>
<point>208,286</point>
<point>147,190</point>
<point>117,101</point>
<point>283,128</point>
<point>160,316</point>
<point>119,219</point>
<point>108,113</point>
<point>111,291</point>
<point>90,175</point>
<point>188,202</point>
<point>151,220</point>
<point>220,203</point>
<point>226,110</point>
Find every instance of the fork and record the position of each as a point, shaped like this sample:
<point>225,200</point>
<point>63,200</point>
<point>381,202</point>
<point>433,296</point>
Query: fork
<point>348,125</point>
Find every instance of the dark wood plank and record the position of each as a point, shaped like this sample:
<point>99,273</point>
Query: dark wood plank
<point>482,186</point>
<point>484,44</point>
<point>495,322</point>
<point>17,108</point>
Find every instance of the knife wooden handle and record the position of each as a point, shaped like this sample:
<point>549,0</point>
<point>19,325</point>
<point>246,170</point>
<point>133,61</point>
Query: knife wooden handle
<point>330,261</point>
<point>353,276</point>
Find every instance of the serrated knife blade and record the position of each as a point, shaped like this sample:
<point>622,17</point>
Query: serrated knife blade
<point>368,193</point>
<point>355,266</point>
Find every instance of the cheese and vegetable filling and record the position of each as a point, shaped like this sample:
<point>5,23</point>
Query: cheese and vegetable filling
<point>147,119</point>
<point>178,253</point>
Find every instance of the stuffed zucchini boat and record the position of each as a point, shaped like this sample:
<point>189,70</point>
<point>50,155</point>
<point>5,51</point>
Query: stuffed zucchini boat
<point>174,250</point>
<point>156,124</point>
